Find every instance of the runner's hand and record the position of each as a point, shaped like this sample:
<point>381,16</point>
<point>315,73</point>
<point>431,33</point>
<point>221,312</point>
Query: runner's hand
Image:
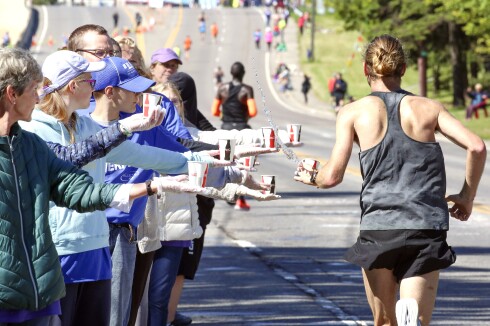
<point>462,207</point>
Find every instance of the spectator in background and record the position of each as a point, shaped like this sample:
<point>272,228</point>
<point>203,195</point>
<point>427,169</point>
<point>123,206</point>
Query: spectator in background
<point>268,37</point>
<point>214,32</point>
<point>301,24</point>
<point>187,46</point>
<point>257,38</point>
<point>115,18</point>
<point>478,101</point>
<point>164,63</point>
<point>339,91</point>
<point>305,87</point>
<point>6,39</point>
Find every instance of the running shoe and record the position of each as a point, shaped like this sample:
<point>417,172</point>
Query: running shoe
<point>407,312</point>
<point>242,205</point>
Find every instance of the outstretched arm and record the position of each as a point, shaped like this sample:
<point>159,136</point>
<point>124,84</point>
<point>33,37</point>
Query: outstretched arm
<point>332,173</point>
<point>94,147</point>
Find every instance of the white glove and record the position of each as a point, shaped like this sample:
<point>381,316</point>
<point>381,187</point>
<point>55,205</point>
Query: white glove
<point>137,122</point>
<point>208,157</point>
<point>169,184</point>
<point>244,150</point>
<point>249,182</point>
<point>244,191</point>
<point>231,191</point>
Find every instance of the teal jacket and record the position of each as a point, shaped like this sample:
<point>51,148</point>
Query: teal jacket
<point>31,176</point>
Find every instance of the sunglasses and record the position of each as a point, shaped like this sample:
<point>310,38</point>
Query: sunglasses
<point>90,81</point>
<point>99,53</point>
<point>170,65</point>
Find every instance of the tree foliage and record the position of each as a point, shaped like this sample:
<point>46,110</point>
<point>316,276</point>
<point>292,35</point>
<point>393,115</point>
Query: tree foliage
<point>434,26</point>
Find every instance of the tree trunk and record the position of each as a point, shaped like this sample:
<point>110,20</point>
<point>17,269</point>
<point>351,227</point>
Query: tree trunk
<point>458,62</point>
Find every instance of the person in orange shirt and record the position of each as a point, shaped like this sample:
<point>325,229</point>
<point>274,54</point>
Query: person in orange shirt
<point>238,106</point>
<point>214,32</point>
<point>187,46</point>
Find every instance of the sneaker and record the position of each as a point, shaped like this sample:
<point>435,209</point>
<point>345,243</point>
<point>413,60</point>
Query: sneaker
<point>407,312</point>
<point>181,320</point>
<point>242,205</point>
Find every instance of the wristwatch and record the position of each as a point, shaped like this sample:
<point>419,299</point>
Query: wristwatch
<point>149,191</point>
<point>125,131</point>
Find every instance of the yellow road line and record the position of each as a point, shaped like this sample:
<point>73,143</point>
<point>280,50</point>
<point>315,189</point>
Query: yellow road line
<point>173,33</point>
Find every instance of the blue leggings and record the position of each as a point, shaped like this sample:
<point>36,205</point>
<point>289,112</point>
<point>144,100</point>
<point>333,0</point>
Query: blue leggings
<point>162,278</point>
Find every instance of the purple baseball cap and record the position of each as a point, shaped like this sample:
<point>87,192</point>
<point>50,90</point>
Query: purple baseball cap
<point>120,73</point>
<point>164,55</point>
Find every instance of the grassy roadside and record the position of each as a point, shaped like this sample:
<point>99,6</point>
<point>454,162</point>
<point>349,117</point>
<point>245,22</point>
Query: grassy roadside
<point>338,50</point>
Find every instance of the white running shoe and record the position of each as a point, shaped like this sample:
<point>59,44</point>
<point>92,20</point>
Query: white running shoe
<point>407,312</point>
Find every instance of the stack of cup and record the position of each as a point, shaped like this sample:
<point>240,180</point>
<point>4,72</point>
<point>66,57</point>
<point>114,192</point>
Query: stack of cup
<point>150,101</point>
<point>198,173</point>
<point>227,149</point>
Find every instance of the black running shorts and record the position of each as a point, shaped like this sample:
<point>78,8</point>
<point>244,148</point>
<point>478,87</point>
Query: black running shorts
<point>406,252</point>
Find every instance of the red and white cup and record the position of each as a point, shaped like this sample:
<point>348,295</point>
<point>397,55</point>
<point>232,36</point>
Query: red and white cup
<point>294,132</point>
<point>227,149</point>
<point>268,137</point>
<point>248,161</point>
<point>310,164</point>
<point>198,173</point>
<point>269,180</point>
<point>150,102</point>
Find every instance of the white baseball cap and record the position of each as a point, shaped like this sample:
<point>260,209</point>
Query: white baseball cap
<point>62,66</point>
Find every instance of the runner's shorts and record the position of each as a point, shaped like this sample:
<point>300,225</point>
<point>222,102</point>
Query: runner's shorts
<point>406,252</point>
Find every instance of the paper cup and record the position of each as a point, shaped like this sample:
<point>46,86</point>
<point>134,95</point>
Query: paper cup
<point>248,161</point>
<point>294,132</point>
<point>268,137</point>
<point>198,173</point>
<point>270,180</point>
<point>150,101</point>
<point>227,149</point>
<point>310,164</point>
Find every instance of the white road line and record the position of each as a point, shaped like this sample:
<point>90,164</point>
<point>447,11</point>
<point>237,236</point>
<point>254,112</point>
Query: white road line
<point>344,318</point>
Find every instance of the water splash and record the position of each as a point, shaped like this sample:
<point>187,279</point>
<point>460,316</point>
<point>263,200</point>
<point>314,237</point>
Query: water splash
<point>286,150</point>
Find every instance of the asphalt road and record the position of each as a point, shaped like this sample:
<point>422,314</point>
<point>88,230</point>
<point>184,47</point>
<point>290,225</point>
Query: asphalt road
<point>281,263</point>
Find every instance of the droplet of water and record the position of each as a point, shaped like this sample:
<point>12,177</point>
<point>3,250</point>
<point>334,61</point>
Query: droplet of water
<point>286,150</point>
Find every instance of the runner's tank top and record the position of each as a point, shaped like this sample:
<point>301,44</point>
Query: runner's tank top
<point>233,109</point>
<point>404,180</point>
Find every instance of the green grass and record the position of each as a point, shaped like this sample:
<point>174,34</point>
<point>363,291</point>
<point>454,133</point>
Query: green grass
<point>336,50</point>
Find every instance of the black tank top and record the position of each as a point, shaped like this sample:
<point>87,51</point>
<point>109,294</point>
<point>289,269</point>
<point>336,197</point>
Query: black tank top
<point>233,109</point>
<point>404,180</point>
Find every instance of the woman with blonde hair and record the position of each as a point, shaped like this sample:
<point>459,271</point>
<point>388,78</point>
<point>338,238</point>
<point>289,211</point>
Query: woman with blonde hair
<point>404,212</point>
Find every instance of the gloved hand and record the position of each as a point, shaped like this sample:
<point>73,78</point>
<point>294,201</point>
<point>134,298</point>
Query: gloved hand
<point>244,150</point>
<point>249,182</point>
<point>244,191</point>
<point>169,184</point>
<point>137,122</point>
<point>231,191</point>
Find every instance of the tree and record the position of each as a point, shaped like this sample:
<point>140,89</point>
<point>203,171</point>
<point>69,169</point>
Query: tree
<point>421,25</point>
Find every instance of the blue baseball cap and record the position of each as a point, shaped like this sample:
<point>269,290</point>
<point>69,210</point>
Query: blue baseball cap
<point>121,73</point>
